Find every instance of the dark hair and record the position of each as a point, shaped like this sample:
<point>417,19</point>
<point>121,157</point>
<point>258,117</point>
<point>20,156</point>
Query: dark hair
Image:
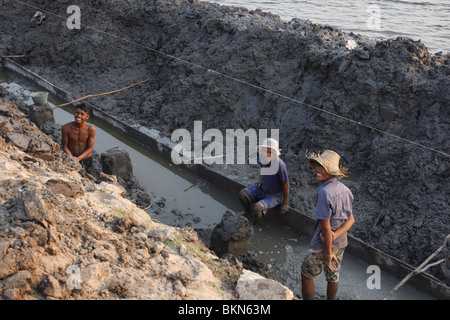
<point>84,107</point>
<point>314,163</point>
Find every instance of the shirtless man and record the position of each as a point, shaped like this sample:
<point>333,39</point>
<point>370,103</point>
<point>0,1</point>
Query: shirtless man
<point>78,138</point>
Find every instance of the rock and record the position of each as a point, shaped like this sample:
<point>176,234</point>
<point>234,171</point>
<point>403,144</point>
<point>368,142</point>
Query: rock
<point>126,223</point>
<point>50,287</point>
<point>66,188</point>
<point>362,54</point>
<point>43,118</point>
<point>4,246</point>
<point>183,275</point>
<point>445,267</point>
<point>231,235</point>
<point>388,112</point>
<point>118,287</point>
<point>8,266</point>
<point>252,286</point>
<point>107,177</point>
<point>157,247</point>
<point>159,234</point>
<point>344,64</point>
<point>33,206</point>
<point>17,131</point>
<point>93,273</point>
<point>140,236</point>
<point>16,286</point>
<point>117,161</point>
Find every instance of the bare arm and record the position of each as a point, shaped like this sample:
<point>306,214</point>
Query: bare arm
<point>332,261</point>
<point>343,228</point>
<point>285,204</point>
<point>65,140</point>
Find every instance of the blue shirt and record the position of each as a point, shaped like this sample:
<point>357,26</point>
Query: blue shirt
<point>271,184</point>
<point>334,203</point>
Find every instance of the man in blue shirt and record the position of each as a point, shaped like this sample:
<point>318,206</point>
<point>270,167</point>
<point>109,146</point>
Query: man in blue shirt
<point>334,217</point>
<point>273,187</point>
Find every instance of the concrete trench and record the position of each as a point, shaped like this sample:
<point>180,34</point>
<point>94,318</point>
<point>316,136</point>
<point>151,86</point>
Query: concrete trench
<point>279,242</point>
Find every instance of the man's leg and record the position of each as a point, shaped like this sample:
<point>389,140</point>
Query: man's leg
<point>245,203</point>
<point>312,267</point>
<point>332,277</point>
<point>258,211</point>
<point>332,288</point>
<point>266,202</point>
<point>247,197</point>
<point>307,288</point>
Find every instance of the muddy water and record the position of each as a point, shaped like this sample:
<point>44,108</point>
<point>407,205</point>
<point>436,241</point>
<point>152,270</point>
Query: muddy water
<point>188,199</point>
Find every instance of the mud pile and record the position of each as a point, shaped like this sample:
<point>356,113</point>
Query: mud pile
<point>217,64</point>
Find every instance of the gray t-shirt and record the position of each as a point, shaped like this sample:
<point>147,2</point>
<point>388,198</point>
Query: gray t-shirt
<point>334,203</point>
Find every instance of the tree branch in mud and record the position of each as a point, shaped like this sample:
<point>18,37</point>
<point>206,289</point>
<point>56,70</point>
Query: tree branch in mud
<point>99,94</point>
<point>420,269</point>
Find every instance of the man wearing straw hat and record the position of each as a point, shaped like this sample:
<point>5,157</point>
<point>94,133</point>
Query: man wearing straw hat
<point>273,187</point>
<point>334,217</point>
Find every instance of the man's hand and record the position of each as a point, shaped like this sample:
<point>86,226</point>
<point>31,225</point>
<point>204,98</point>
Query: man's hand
<point>284,208</point>
<point>333,262</point>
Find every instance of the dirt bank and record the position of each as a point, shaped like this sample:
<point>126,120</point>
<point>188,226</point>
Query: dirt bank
<point>401,189</point>
<point>66,236</point>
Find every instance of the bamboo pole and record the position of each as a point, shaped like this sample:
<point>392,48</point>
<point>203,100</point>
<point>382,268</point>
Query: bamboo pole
<point>98,94</point>
<point>420,268</point>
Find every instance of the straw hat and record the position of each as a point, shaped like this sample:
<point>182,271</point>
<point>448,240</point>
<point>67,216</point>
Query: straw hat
<point>272,144</point>
<point>329,160</point>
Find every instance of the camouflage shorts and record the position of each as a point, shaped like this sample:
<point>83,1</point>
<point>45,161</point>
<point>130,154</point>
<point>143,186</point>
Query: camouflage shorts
<point>316,261</point>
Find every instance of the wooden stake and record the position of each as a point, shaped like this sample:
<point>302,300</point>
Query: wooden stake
<point>99,94</point>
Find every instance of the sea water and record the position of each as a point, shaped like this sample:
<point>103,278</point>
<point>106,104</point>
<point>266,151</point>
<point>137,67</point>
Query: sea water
<point>428,21</point>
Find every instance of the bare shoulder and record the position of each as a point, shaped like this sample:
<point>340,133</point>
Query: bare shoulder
<point>67,126</point>
<point>91,128</point>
